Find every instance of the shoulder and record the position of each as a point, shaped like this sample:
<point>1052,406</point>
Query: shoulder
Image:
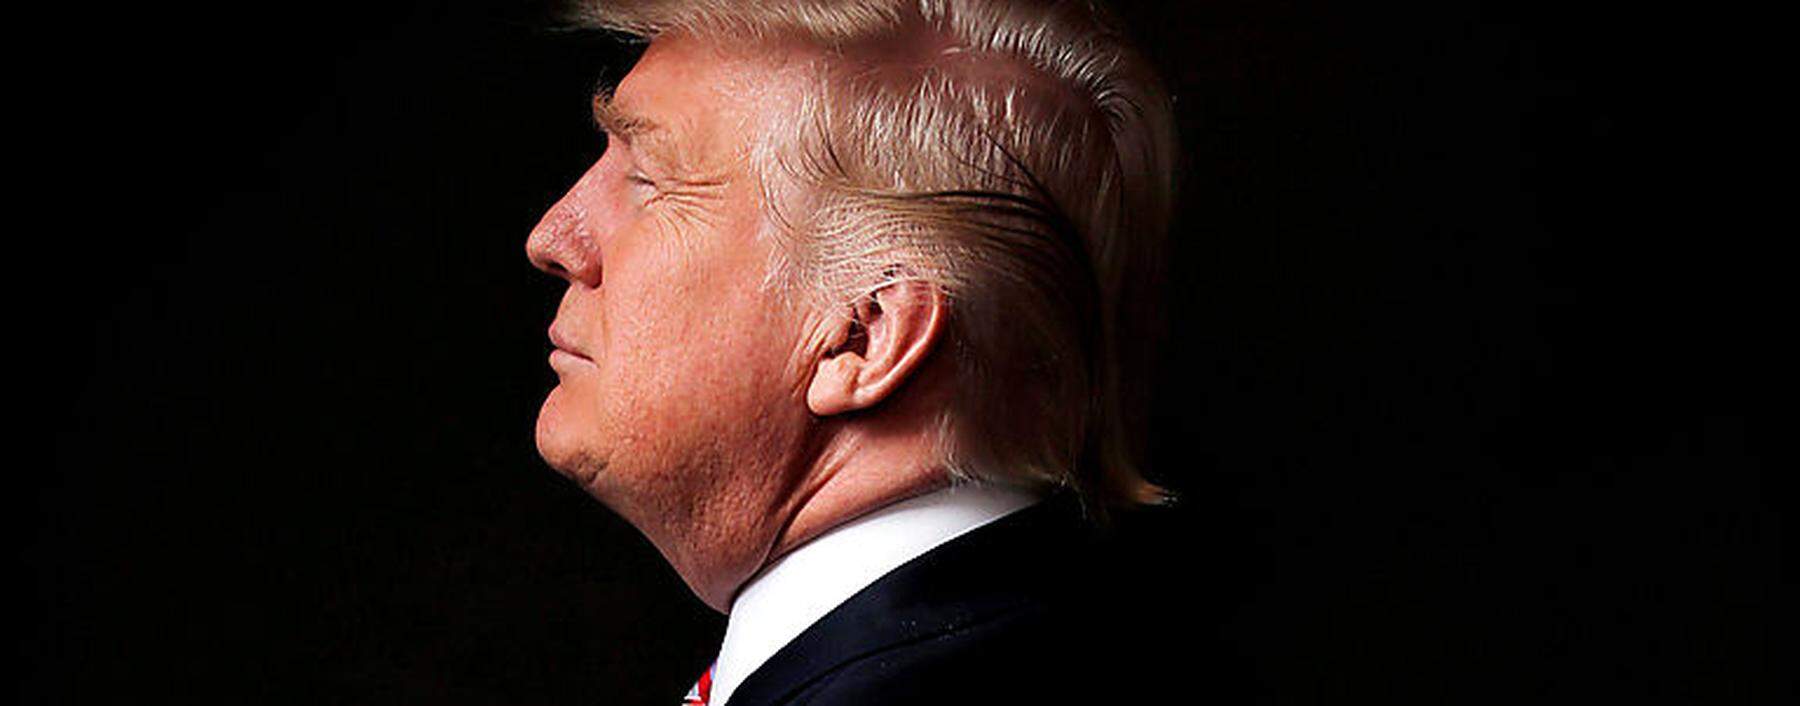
<point>1037,655</point>
<point>1015,612</point>
<point>1056,648</point>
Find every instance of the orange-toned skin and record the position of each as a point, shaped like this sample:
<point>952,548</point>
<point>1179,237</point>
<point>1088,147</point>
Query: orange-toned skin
<point>725,422</point>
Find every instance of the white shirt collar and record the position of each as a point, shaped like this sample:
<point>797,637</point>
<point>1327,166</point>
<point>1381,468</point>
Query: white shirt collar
<point>792,593</point>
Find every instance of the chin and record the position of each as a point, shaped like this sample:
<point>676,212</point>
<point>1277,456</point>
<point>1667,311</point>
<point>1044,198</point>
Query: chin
<point>558,437</point>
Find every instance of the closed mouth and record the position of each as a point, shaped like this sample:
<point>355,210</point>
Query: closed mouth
<point>562,344</point>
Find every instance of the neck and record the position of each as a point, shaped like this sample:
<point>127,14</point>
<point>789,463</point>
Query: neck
<point>861,471</point>
<point>860,463</point>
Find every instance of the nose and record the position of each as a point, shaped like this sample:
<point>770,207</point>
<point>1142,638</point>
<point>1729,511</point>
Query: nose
<point>562,245</point>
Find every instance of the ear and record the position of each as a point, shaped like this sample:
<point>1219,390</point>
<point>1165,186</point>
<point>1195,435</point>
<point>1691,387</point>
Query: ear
<point>888,335</point>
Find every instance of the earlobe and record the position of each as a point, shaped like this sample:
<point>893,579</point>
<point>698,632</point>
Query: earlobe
<point>881,346</point>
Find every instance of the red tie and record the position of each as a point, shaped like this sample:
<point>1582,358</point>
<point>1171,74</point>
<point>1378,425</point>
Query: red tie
<point>701,694</point>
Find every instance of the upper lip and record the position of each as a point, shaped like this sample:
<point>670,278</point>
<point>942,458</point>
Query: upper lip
<point>561,341</point>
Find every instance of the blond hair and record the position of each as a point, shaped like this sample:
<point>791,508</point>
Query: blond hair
<point>1018,156</point>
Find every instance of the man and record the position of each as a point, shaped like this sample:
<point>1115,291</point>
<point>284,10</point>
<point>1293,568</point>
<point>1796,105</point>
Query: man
<point>840,335</point>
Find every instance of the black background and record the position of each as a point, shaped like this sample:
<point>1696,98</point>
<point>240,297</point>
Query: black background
<point>1466,385</point>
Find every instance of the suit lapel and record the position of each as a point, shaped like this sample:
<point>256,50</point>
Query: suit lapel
<point>984,574</point>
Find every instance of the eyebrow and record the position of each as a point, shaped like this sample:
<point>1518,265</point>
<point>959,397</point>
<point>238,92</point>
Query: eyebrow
<point>648,139</point>
<point>617,121</point>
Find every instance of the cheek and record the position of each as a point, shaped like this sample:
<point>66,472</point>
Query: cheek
<point>691,338</point>
<point>701,363</point>
<point>695,315</point>
<point>690,356</point>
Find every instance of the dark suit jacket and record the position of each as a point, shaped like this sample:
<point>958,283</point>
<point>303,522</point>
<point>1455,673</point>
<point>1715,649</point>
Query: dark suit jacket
<point>1009,613</point>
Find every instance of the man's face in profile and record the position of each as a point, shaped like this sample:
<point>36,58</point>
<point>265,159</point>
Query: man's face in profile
<point>680,386</point>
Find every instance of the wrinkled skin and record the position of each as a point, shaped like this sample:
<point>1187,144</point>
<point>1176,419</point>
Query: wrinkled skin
<point>682,377</point>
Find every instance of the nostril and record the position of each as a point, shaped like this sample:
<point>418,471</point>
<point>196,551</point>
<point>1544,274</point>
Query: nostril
<point>560,247</point>
<point>567,259</point>
<point>543,257</point>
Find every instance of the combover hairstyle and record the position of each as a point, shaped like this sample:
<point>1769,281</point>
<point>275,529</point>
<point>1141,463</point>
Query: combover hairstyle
<point>1016,155</point>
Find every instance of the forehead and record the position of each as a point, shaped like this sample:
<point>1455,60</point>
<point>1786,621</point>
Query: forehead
<point>698,98</point>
